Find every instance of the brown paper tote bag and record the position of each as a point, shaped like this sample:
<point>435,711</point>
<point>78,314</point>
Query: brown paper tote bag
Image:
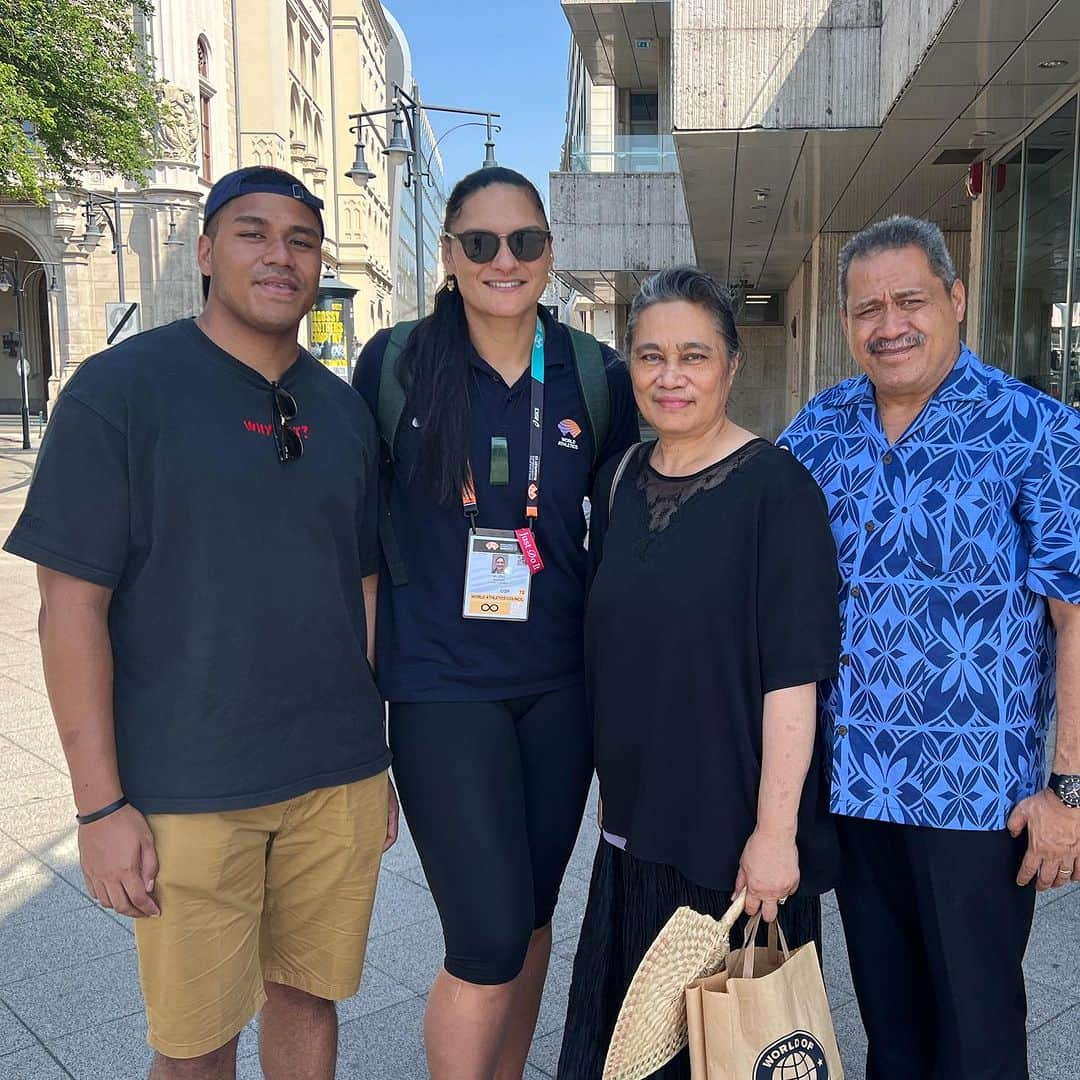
<point>763,1016</point>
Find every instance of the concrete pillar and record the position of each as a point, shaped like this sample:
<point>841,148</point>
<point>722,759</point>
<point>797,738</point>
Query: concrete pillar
<point>976,283</point>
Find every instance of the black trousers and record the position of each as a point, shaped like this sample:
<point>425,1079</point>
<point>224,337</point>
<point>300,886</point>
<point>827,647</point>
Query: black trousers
<point>936,929</point>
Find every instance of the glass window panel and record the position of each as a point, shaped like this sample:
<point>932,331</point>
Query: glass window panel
<point>1047,240</point>
<point>1004,181</point>
<point>644,113</point>
<point>1072,368</point>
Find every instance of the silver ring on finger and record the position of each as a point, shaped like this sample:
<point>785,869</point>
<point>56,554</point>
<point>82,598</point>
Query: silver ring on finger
<point>782,900</point>
<point>1065,871</point>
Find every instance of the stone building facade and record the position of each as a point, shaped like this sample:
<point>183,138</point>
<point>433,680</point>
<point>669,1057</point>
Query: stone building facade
<point>250,82</point>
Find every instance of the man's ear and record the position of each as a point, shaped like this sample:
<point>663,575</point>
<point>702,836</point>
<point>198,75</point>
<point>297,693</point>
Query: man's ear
<point>203,253</point>
<point>958,296</point>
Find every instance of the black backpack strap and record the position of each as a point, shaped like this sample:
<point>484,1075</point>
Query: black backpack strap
<point>390,410</point>
<point>592,381</point>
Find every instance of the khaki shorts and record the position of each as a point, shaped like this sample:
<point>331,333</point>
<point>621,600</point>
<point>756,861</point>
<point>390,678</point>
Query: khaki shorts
<point>279,893</point>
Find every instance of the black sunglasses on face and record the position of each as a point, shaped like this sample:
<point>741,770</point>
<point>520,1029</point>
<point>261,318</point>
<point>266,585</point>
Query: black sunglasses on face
<point>288,442</point>
<point>481,246</point>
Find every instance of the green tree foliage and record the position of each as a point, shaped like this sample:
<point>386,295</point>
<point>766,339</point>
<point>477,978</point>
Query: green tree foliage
<point>75,93</point>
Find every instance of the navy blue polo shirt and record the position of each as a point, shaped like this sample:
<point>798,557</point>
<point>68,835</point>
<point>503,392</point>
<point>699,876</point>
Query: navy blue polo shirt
<point>425,649</point>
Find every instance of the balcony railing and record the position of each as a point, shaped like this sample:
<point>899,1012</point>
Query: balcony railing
<point>624,154</point>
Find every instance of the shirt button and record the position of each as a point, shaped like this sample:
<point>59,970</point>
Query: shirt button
<point>887,459</point>
<point>869,526</point>
<point>842,730</point>
<point>856,592</point>
<point>845,659</point>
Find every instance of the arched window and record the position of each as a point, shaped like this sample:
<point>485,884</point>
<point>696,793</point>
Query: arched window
<point>294,116</point>
<point>314,72</point>
<point>307,125</point>
<point>317,147</point>
<point>206,92</point>
<point>292,42</point>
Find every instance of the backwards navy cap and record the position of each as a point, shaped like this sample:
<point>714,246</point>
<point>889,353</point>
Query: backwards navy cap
<point>256,178</point>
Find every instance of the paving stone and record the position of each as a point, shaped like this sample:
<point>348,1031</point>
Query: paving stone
<point>114,1051</point>
<point>38,816</point>
<point>13,1034</point>
<point>834,960</point>
<point>28,674</point>
<point>399,903</point>
<point>378,991</point>
<point>22,791</point>
<point>14,857</point>
<point>59,851</point>
<point>63,942</point>
<point>75,999</point>
<point>43,742</point>
<point>570,909</point>
<point>1053,955</point>
<point>544,1055</point>
<point>16,762</point>
<point>20,707</point>
<point>1046,1003</point>
<point>581,858</point>
<point>852,1040</point>
<point>34,1063</point>
<point>1052,896</point>
<point>412,956</point>
<point>556,992</point>
<point>1052,1049</point>
<point>403,857</point>
<point>33,891</point>
<point>388,1044</point>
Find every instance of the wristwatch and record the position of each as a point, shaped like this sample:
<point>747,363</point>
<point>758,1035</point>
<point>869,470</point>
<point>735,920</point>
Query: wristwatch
<point>1066,786</point>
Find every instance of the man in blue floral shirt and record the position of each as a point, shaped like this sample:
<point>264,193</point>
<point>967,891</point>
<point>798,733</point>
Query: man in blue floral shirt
<point>954,496</point>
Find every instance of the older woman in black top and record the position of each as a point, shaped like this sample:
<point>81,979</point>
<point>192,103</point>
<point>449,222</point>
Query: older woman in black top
<point>711,618</point>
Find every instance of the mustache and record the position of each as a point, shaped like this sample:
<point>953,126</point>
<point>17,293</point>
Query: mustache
<point>908,341</point>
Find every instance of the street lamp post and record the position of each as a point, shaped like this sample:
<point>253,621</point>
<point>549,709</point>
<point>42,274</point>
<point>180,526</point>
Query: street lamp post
<point>408,111</point>
<point>92,236</point>
<point>10,277</point>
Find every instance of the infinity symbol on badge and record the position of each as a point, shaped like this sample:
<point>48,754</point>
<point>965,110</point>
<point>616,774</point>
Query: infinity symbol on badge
<point>491,608</point>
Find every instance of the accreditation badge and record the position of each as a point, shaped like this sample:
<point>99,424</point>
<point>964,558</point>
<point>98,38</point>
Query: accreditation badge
<point>498,580</point>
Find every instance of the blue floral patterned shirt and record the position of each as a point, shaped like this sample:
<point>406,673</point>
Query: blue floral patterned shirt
<point>949,542</point>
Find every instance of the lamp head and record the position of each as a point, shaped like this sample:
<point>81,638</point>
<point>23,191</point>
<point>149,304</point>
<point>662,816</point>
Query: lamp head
<point>398,149</point>
<point>360,174</point>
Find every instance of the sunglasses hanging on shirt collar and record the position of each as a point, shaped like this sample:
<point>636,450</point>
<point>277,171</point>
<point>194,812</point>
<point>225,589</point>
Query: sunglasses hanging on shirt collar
<point>481,246</point>
<point>290,446</point>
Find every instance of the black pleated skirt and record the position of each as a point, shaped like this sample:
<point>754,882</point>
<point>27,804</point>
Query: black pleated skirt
<point>629,902</point>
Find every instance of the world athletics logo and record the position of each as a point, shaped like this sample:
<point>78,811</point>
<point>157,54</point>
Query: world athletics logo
<point>797,1056</point>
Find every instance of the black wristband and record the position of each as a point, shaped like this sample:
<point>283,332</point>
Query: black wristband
<point>105,811</point>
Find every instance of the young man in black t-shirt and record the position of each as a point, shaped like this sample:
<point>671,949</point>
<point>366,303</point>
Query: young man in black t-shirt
<point>203,516</point>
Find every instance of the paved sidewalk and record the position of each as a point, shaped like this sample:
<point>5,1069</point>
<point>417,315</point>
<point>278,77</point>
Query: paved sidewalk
<point>69,994</point>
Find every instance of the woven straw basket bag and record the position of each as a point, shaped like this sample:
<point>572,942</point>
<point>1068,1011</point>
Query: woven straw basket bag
<point>651,1028</point>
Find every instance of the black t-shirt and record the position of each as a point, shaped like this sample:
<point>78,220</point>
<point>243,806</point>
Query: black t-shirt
<point>704,599</point>
<point>237,616</point>
<point>426,650</point>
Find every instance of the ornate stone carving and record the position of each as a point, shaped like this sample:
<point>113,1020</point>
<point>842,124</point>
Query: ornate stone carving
<point>178,133</point>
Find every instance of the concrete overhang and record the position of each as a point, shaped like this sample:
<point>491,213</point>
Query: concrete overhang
<point>611,230</point>
<point>756,198</point>
<point>619,40</point>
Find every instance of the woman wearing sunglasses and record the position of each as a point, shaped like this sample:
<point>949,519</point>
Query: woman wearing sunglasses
<point>492,457</point>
